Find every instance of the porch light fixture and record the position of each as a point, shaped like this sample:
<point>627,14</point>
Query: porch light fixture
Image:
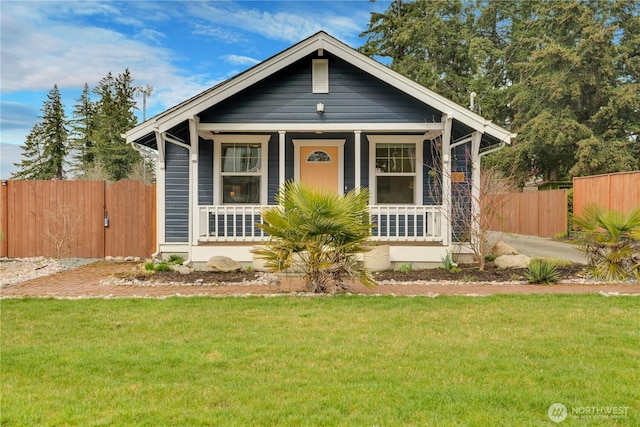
<point>320,108</point>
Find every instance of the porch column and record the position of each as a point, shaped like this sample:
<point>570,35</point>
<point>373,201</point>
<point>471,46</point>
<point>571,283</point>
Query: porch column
<point>357,148</point>
<point>476,182</point>
<point>446,181</point>
<point>194,211</point>
<point>281,160</point>
<point>160,189</point>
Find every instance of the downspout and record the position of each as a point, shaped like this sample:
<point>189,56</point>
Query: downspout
<point>137,147</point>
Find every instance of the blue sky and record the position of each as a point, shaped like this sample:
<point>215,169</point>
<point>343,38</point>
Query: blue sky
<point>180,48</point>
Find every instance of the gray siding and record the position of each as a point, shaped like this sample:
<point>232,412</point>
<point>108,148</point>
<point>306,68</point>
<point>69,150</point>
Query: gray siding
<point>205,172</point>
<point>354,96</point>
<point>176,193</point>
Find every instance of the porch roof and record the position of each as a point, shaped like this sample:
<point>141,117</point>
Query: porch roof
<point>173,119</point>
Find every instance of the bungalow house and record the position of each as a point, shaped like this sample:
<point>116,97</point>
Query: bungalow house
<point>323,113</point>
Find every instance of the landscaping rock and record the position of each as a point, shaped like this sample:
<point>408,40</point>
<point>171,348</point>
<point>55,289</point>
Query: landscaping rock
<point>501,248</point>
<point>223,263</point>
<point>512,261</point>
<point>182,269</point>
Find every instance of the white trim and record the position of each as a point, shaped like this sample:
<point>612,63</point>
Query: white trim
<point>446,180</point>
<point>160,193</point>
<point>357,153</point>
<point>476,139</point>
<point>218,140</point>
<point>281,157</point>
<point>297,143</point>
<point>419,156</point>
<point>313,127</point>
<point>401,139</point>
<point>193,180</point>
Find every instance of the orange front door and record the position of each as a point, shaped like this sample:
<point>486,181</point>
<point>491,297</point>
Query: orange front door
<point>319,167</point>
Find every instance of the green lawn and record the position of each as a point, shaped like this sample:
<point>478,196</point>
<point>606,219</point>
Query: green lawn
<point>350,360</point>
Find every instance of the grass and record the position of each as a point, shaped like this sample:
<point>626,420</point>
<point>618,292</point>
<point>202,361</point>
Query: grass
<point>349,360</point>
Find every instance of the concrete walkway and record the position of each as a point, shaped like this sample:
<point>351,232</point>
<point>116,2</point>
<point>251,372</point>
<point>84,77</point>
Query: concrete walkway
<point>539,247</point>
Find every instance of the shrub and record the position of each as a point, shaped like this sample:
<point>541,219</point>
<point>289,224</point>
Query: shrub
<point>610,240</point>
<point>405,268</point>
<point>542,271</point>
<point>449,264</point>
<point>320,233</point>
<point>163,266</point>
<point>175,259</point>
<point>150,266</point>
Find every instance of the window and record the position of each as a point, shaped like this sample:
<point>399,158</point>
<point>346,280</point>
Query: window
<point>320,75</point>
<point>396,174</point>
<point>242,166</point>
<point>319,156</point>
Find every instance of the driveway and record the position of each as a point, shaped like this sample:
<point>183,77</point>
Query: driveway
<point>537,247</point>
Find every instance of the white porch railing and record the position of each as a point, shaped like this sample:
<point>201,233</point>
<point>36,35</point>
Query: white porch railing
<point>406,223</point>
<point>392,223</point>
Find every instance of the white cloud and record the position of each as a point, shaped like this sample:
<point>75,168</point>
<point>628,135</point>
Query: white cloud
<point>37,54</point>
<point>308,18</point>
<point>239,60</point>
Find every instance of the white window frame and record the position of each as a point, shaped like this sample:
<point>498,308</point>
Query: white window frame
<point>418,140</point>
<point>218,140</point>
<point>320,75</point>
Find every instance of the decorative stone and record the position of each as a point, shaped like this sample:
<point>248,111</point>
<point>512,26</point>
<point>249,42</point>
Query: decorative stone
<point>108,258</point>
<point>512,261</point>
<point>119,259</point>
<point>182,269</point>
<point>223,264</point>
<point>129,259</point>
<point>501,248</point>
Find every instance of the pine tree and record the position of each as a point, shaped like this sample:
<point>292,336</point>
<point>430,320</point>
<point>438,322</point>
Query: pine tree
<point>46,145</point>
<point>82,131</point>
<point>114,116</point>
<point>33,164</point>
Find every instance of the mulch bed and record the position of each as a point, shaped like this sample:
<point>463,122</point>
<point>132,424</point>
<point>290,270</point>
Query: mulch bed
<point>470,273</point>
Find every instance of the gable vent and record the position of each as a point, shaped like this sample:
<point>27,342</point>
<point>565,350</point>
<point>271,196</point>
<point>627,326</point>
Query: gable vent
<point>320,75</point>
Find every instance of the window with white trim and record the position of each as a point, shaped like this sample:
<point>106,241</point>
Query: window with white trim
<point>242,168</point>
<point>396,174</point>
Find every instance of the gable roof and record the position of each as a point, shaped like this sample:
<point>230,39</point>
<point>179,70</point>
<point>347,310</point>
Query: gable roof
<point>321,40</point>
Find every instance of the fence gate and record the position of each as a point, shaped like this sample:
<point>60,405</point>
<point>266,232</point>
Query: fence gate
<point>68,219</point>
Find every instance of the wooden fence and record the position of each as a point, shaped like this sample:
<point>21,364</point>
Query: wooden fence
<point>616,191</point>
<point>538,213</point>
<point>69,219</point>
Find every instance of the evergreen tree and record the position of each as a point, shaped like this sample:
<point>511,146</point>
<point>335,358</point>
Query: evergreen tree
<point>82,131</point>
<point>114,116</point>
<point>563,75</point>
<point>46,145</point>
<point>33,163</point>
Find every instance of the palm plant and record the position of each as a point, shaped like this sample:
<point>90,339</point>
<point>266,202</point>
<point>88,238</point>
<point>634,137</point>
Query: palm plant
<point>610,241</point>
<point>318,233</point>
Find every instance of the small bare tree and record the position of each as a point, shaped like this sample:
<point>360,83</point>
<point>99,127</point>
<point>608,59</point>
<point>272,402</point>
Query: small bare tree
<point>475,209</point>
<point>63,227</point>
